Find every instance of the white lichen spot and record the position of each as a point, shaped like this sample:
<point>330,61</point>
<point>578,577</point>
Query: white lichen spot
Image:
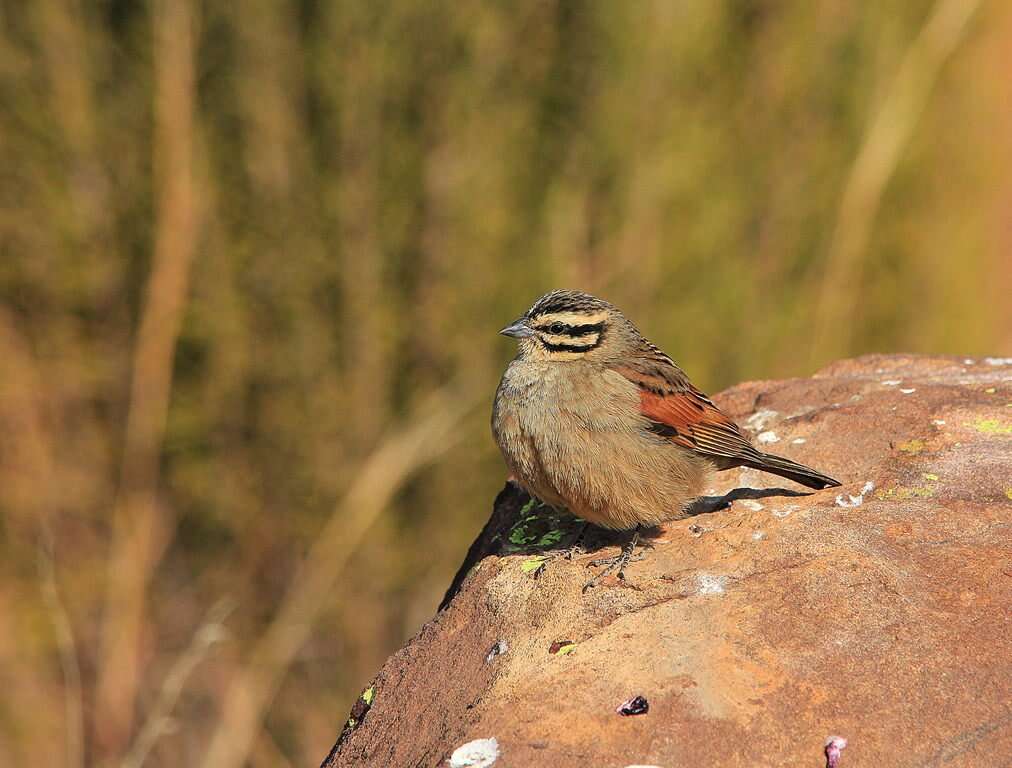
<point>710,585</point>
<point>908,391</point>
<point>758,420</point>
<point>968,361</point>
<point>769,436</point>
<point>755,506</point>
<point>892,382</point>
<point>747,476</point>
<point>784,511</point>
<point>855,501</point>
<point>758,536</point>
<point>799,441</point>
<point>480,753</point>
<point>998,360</point>
<point>498,649</point>
<point>938,422</point>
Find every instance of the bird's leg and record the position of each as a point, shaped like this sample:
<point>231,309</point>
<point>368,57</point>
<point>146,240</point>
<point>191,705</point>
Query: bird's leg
<point>574,548</point>
<point>618,563</point>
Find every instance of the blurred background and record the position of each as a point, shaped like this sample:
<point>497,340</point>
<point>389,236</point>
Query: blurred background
<point>253,258</point>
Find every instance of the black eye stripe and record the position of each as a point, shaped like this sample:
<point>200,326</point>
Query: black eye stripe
<point>572,330</point>
<point>569,347</point>
<point>583,330</point>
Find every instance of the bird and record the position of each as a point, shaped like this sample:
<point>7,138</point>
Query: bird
<point>592,417</point>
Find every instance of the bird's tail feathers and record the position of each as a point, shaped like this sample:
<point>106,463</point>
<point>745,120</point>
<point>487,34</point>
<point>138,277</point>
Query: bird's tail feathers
<point>799,473</point>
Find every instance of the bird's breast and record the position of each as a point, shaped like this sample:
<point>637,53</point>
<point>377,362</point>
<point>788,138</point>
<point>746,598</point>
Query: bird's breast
<point>573,435</point>
<point>555,414</point>
<point>582,396</point>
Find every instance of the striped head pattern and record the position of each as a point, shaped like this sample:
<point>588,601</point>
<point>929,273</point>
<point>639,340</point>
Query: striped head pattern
<point>568,325</point>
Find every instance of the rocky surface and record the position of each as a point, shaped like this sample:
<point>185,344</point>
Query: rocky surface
<point>880,612</point>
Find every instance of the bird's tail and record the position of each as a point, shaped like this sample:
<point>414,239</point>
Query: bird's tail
<point>799,473</point>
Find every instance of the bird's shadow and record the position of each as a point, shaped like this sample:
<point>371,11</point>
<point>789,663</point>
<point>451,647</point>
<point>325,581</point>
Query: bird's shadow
<point>522,525</point>
<point>540,528</point>
<point>706,504</point>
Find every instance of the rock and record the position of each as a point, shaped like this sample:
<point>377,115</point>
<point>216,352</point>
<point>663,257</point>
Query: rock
<point>877,613</point>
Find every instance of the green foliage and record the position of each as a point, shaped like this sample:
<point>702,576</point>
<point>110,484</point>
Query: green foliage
<point>532,565</point>
<point>539,527</point>
<point>992,427</point>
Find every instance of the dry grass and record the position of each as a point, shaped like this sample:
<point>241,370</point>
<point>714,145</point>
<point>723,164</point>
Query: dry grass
<point>140,532</point>
<point>877,159</point>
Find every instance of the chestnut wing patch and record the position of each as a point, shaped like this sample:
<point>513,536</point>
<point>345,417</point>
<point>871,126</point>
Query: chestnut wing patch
<point>691,422</point>
<point>681,413</point>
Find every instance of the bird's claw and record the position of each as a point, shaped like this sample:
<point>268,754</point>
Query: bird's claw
<point>617,563</point>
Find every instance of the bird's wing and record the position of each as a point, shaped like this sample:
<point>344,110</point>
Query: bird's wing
<point>680,412</point>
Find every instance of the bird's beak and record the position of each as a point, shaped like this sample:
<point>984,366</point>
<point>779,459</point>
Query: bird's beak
<point>518,329</point>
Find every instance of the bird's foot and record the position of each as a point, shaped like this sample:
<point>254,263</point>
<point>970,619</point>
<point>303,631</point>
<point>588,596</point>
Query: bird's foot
<point>617,563</point>
<point>574,549</point>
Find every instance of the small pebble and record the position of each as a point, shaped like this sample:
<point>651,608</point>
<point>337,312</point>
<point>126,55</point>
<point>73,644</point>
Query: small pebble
<point>834,747</point>
<point>637,705</point>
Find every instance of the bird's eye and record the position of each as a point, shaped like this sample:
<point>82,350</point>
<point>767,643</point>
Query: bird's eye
<point>556,328</point>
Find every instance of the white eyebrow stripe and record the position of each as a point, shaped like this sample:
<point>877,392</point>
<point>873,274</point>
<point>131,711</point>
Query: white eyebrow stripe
<point>571,318</point>
<point>587,339</point>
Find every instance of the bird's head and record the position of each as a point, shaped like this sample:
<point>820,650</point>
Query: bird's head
<point>563,326</point>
